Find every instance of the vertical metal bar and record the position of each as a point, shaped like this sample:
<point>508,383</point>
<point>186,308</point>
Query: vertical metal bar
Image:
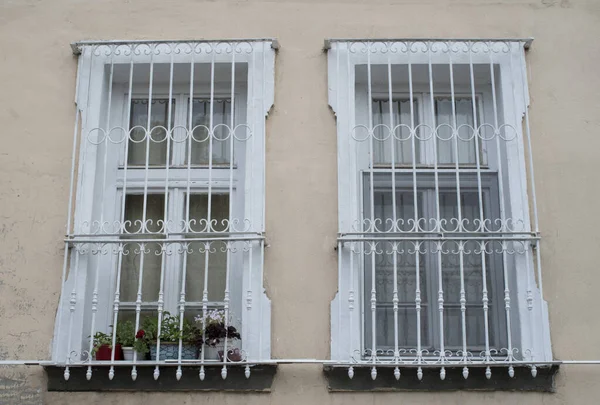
<point>351,299</point>
<point>138,305</point>
<point>460,227</point>
<point>392,138</point>
<point>503,227</point>
<point>339,245</point>
<point>395,300</point>
<point>437,206</point>
<point>260,307</point>
<point>69,213</point>
<point>204,307</point>
<point>210,137</point>
<point>415,209</point>
<point>97,275</point>
<point>186,250</point>
<point>481,227</point>
<point>463,306</point>
<point>228,264</point>
<point>372,213</point>
<point>116,301</point>
<point>531,171</point>
<point>163,245</point>
<point>148,140</point>
<point>73,298</point>
<point>72,304</point>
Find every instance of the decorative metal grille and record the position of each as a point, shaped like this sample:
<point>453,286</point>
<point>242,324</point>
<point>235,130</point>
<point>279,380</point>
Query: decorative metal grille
<point>437,252</point>
<point>166,218</point>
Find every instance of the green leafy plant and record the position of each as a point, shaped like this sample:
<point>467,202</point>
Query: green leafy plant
<point>126,334</point>
<point>102,339</point>
<point>170,332</point>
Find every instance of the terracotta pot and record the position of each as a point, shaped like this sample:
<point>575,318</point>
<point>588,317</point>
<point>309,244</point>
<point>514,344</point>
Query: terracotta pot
<point>104,353</point>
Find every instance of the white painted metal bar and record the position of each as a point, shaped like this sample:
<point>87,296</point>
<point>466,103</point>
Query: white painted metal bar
<point>78,46</point>
<point>102,208</point>
<point>73,297</point>
<point>117,295</point>
<point>372,225</point>
<point>329,41</point>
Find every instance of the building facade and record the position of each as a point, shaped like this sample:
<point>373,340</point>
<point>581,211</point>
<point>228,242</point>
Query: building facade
<point>386,200</point>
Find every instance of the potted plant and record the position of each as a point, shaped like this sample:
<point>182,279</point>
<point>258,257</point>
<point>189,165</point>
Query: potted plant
<point>126,337</point>
<point>170,334</point>
<point>215,332</point>
<point>103,347</point>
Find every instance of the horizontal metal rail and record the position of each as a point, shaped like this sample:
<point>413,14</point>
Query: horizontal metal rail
<point>329,41</point>
<point>332,363</point>
<point>373,238</point>
<point>162,240</point>
<point>76,46</point>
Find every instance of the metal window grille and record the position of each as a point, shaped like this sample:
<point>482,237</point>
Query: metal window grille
<point>438,246</point>
<point>166,214</point>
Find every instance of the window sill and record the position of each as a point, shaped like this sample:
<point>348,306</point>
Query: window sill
<point>338,380</point>
<point>260,379</point>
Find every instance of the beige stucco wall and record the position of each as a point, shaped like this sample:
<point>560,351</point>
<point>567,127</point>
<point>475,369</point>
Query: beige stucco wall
<point>37,76</point>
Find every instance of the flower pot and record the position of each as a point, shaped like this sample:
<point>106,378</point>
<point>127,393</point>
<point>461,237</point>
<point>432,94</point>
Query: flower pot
<point>213,352</point>
<point>104,353</point>
<point>170,351</point>
<point>128,354</point>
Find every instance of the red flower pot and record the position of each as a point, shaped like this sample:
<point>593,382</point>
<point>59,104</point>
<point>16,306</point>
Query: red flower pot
<point>104,353</point>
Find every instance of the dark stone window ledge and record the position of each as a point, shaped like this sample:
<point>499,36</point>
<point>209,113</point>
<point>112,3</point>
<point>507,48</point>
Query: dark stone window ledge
<point>338,380</point>
<point>261,379</point>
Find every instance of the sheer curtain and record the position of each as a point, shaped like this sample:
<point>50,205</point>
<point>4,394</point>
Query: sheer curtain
<point>447,145</point>
<point>131,260</point>
<point>217,258</point>
<point>221,138</point>
<point>401,140</point>
<point>158,138</point>
<point>428,271</point>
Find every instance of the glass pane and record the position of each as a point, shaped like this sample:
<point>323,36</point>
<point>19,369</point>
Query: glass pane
<point>447,145</point>
<point>217,257</point>
<point>406,278</point>
<point>221,140</point>
<point>133,252</point>
<point>472,276</point>
<point>400,136</point>
<point>157,137</point>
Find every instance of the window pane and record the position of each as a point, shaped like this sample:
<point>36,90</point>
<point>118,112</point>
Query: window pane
<point>221,140</point>
<point>406,278</point>
<point>157,137</point>
<point>217,258</point>
<point>384,139</point>
<point>447,145</point>
<point>133,253</point>
<point>472,276</point>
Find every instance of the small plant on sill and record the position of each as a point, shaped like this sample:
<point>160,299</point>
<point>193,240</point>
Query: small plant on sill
<point>170,335</point>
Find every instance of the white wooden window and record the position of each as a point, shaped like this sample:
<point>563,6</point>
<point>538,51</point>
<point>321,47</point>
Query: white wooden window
<point>167,192</point>
<point>438,256</point>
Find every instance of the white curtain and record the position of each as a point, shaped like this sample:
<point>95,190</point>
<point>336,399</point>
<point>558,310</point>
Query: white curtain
<point>217,258</point>
<point>428,274</point>
<point>446,144</point>
<point>158,139</point>
<point>221,138</point>
<point>131,260</point>
<point>401,139</point>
